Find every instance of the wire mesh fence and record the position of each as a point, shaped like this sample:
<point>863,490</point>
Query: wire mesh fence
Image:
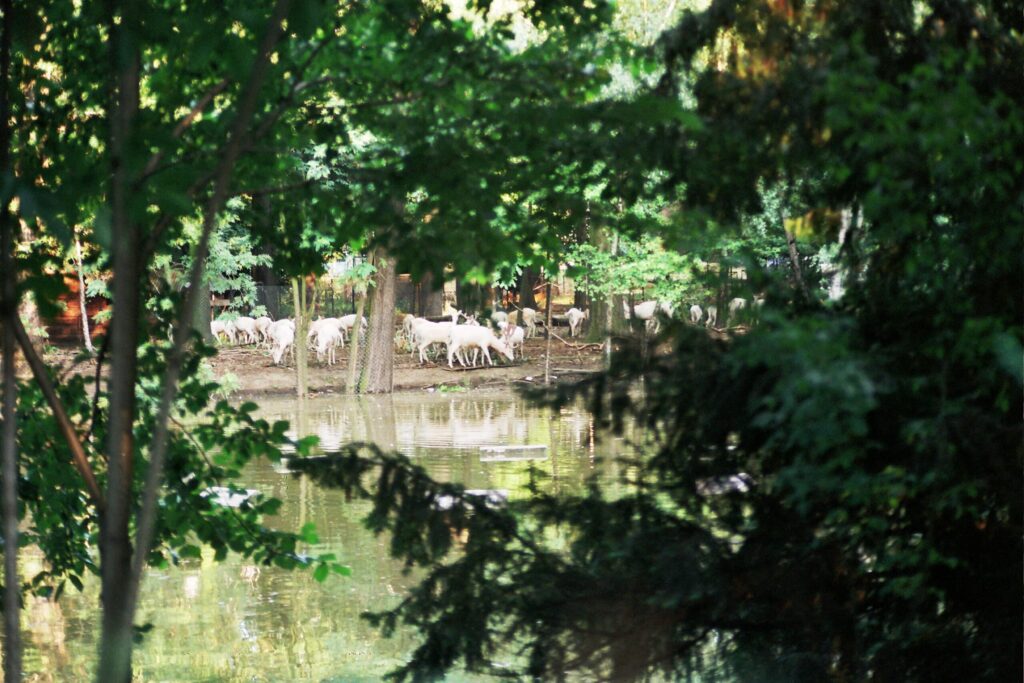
<point>331,301</point>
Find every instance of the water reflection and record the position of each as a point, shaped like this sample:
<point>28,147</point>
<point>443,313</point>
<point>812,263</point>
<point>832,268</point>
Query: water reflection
<point>235,621</point>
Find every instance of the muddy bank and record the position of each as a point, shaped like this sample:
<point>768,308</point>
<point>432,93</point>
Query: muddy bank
<point>248,371</point>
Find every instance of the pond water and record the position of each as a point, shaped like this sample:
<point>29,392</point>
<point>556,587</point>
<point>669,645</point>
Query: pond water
<point>235,621</point>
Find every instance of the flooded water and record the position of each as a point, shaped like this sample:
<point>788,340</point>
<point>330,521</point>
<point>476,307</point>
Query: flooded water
<point>234,621</point>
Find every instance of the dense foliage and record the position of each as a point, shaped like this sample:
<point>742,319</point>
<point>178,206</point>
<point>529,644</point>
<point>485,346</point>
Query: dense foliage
<point>139,124</point>
<point>835,495</point>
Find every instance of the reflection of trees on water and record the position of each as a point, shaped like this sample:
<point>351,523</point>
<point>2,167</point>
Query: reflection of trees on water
<point>417,424</point>
<point>239,621</point>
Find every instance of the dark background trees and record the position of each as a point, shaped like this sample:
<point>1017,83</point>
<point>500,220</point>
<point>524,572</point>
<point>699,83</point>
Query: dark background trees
<point>835,495</point>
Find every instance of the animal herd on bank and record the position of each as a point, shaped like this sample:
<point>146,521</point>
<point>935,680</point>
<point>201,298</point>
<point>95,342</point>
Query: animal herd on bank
<point>465,342</point>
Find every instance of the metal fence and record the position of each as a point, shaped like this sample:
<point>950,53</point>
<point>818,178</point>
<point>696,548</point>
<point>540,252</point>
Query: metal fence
<point>331,302</point>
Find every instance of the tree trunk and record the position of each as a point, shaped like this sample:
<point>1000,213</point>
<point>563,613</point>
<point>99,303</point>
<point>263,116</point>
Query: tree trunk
<point>469,297</point>
<point>83,304</point>
<point>201,318</point>
<point>606,315</point>
<point>9,432</point>
<point>301,331</point>
<point>547,335</point>
<point>579,298</point>
<point>9,456</point>
<point>794,259</point>
<point>28,311</point>
<point>430,301</point>
<point>378,368</point>
<point>526,283</point>
<point>433,298</point>
<point>115,542</point>
<point>355,359</point>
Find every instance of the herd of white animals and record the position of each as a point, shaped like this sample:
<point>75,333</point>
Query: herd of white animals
<point>465,342</point>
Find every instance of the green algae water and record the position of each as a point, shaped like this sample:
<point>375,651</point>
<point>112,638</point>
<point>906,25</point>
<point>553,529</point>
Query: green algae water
<point>237,621</point>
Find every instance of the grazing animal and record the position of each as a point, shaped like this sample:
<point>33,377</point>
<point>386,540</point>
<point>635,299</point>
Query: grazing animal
<point>407,323</point>
<point>735,306</point>
<point>530,321</point>
<point>712,320</point>
<point>325,327</point>
<point>218,328</point>
<point>328,339</point>
<point>646,311</point>
<point>498,317</point>
<point>758,304</point>
<point>245,327</point>
<point>283,339</point>
<point>470,336</point>
<point>696,314</point>
<point>427,333</point>
<point>262,324</point>
<point>348,321</point>
<point>576,318</point>
<point>513,336</point>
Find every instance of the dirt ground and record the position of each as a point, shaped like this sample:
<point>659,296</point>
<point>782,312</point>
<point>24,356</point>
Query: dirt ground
<point>256,373</point>
<point>250,371</point>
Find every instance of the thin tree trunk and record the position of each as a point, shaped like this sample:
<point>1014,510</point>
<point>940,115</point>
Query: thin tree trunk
<point>301,330</point>
<point>86,335</point>
<point>115,649</point>
<point>527,280</point>
<point>794,258</point>
<point>579,298</point>
<point>378,371</point>
<point>115,541</point>
<point>432,297</point>
<point>547,336</point>
<point>355,344</point>
<point>9,470</point>
<point>468,297</point>
<point>9,433</point>
<point>201,317</point>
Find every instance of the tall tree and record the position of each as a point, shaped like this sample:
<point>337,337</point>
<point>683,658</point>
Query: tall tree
<point>8,346</point>
<point>379,352</point>
<point>527,281</point>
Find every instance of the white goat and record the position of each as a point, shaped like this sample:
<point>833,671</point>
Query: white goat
<point>325,327</point>
<point>407,322</point>
<point>476,336</point>
<point>735,306</point>
<point>219,328</point>
<point>530,321</point>
<point>348,321</point>
<point>246,329</point>
<point>428,333</point>
<point>645,311</point>
<point>262,323</point>
<point>696,314</point>
<point>576,318</point>
<point>328,339</point>
<point>283,337</point>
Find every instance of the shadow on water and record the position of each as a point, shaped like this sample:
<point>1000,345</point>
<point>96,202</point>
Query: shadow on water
<point>236,621</point>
